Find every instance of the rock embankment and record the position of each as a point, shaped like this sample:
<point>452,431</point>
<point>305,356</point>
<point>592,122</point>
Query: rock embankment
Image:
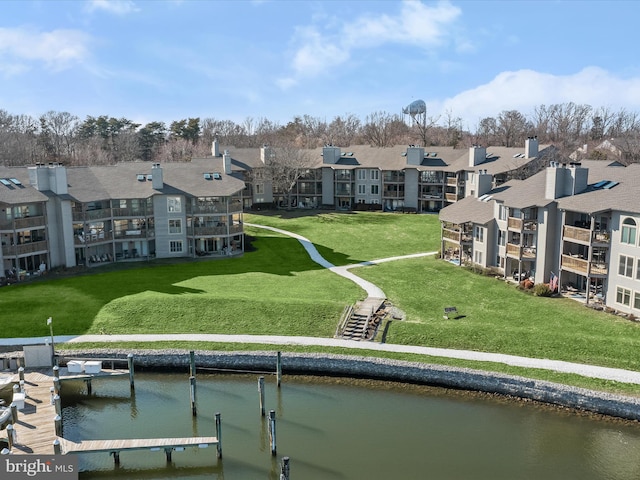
<point>383,369</point>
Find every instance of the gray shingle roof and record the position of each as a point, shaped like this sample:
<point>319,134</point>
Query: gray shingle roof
<point>469,209</point>
<point>18,195</point>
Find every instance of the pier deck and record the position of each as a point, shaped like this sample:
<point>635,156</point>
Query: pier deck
<point>35,428</point>
<point>89,446</point>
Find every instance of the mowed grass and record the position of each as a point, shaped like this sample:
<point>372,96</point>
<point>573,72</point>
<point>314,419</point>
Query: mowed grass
<point>496,317</point>
<point>353,237</point>
<point>275,289</point>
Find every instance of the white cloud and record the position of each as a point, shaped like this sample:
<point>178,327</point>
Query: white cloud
<point>416,25</point>
<point>57,49</point>
<point>523,90</point>
<point>117,7</point>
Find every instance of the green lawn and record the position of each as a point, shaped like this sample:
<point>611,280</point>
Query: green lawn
<point>276,289</point>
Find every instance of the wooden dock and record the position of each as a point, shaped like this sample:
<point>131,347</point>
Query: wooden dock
<point>36,430</point>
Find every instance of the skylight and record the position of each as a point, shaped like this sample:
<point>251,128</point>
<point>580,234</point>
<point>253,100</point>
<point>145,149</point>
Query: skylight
<point>5,182</point>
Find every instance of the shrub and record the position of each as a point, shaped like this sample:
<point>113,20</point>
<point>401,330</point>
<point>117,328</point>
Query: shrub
<point>542,290</point>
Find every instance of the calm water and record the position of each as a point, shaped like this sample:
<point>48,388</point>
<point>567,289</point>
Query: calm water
<point>344,429</point>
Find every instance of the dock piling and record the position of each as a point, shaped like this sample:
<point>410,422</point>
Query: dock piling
<point>57,404</point>
<point>131,372</point>
<point>14,412</point>
<point>56,386</point>
<point>57,449</point>
<point>284,470</point>
<point>21,374</point>
<point>11,435</point>
<point>58,423</point>
<point>261,393</point>
<point>279,368</point>
<point>272,432</point>
<point>192,382</point>
<point>89,388</point>
<point>218,435</point>
<point>167,452</point>
<point>192,363</point>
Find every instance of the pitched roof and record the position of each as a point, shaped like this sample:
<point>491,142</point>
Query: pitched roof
<point>13,194</point>
<point>469,209</point>
<point>129,180</point>
<point>624,196</point>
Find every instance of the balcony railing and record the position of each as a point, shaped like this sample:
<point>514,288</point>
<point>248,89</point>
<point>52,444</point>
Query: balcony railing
<point>514,223</point>
<point>585,236</point>
<point>514,251</point>
<point>133,233</point>
<point>582,266</point>
<point>451,197</point>
<point>29,222</point>
<point>452,181</point>
<point>452,235</point>
<point>25,248</point>
<point>210,231</point>
<point>92,238</point>
<point>129,212</point>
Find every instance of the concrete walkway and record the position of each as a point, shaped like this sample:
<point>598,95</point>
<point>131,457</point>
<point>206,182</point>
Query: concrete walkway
<point>615,374</point>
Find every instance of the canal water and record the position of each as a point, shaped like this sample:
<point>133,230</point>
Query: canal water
<point>343,429</point>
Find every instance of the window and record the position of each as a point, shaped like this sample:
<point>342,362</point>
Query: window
<point>623,296</point>
<point>502,238</point>
<point>175,246</point>
<point>259,189</point>
<point>625,266</point>
<point>175,225</point>
<point>478,234</point>
<point>362,189</point>
<point>362,174</point>
<point>628,231</point>
<point>375,190</point>
<point>502,212</point>
<point>174,204</point>
<point>478,257</point>
<point>375,174</point>
<point>636,300</point>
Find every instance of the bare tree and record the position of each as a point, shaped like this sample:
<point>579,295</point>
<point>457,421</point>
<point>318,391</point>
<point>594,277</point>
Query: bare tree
<point>284,168</point>
<point>57,135</point>
<point>422,126</point>
<point>343,130</point>
<point>512,128</point>
<point>381,128</point>
<point>487,132</point>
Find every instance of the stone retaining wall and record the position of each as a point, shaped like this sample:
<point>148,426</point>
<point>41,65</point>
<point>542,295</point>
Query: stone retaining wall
<point>383,369</point>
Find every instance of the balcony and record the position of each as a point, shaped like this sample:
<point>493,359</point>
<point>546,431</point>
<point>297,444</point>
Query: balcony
<point>520,252</point>
<point>133,233</point>
<point>514,223</point>
<point>585,236</point>
<point>210,231</point>
<point>29,222</point>
<point>452,181</point>
<point>92,238</point>
<point>579,265</point>
<point>128,212</point>
<point>25,248</point>
<point>451,197</point>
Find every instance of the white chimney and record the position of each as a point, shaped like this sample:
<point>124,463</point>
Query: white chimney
<point>227,162</point>
<point>477,155</point>
<point>215,148</point>
<point>531,147</point>
<point>265,154</point>
<point>157,181</point>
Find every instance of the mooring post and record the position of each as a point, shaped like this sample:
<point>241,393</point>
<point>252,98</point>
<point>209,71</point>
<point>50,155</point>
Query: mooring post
<point>167,452</point>
<point>57,448</point>
<point>279,368</point>
<point>52,392</point>
<point>14,412</point>
<point>131,373</point>
<point>272,431</point>
<point>116,457</point>
<point>261,392</point>
<point>192,363</point>
<point>192,390</point>
<point>57,420</point>
<point>56,386</point>
<point>218,435</point>
<point>21,374</point>
<point>56,372</point>
<point>10,436</point>
<point>57,403</point>
<point>284,470</point>
<point>89,388</point>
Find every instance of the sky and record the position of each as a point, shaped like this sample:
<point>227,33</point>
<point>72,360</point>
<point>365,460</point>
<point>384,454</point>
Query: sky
<point>154,60</point>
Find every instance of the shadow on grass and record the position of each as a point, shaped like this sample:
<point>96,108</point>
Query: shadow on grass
<point>78,299</point>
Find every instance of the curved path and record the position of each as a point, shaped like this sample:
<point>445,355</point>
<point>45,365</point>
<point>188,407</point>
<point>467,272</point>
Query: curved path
<point>615,374</point>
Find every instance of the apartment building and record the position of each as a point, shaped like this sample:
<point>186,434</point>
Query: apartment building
<point>53,216</point>
<point>400,178</point>
<point>576,221</point>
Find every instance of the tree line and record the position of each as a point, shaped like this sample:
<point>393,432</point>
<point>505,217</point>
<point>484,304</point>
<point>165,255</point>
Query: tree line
<point>104,140</point>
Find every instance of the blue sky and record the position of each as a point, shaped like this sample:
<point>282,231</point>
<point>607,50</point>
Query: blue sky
<point>169,60</point>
